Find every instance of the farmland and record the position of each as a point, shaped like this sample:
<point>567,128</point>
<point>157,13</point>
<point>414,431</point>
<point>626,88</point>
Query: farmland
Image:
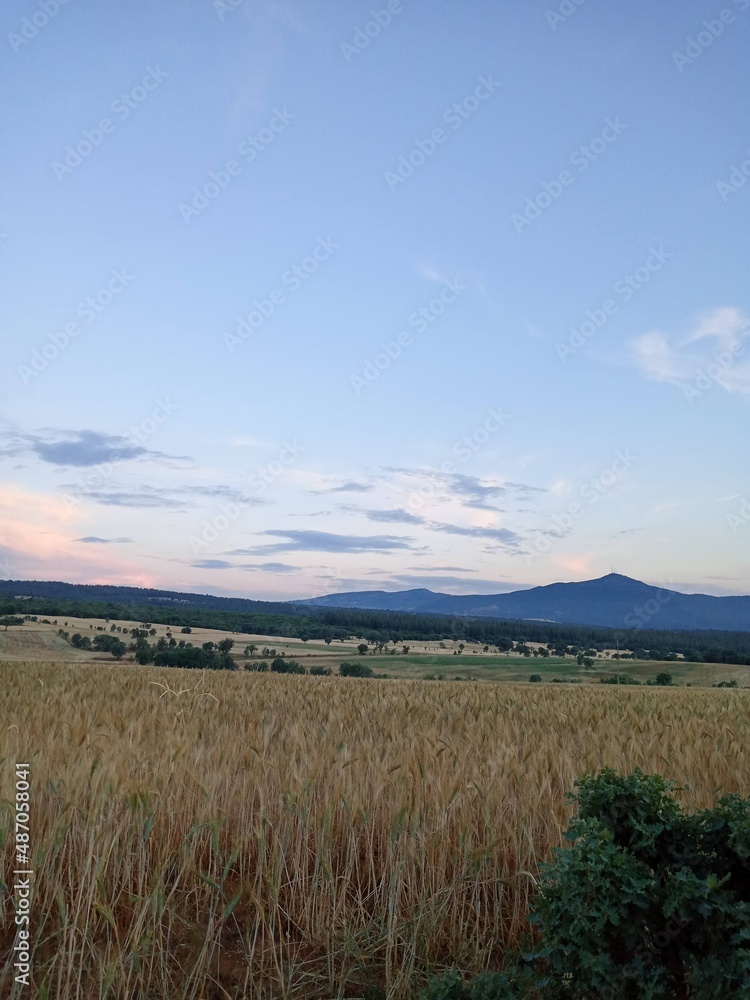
<point>230,834</point>
<point>443,660</point>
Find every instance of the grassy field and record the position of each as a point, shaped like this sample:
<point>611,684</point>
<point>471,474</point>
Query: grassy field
<point>218,834</point>
<point>39,641</point>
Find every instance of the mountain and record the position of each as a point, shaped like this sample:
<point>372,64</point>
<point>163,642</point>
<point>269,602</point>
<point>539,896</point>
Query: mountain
<point>614,600</point>
<point>140,597</point>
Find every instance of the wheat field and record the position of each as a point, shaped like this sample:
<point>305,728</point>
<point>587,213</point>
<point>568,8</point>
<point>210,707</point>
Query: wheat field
<point>220,835</point>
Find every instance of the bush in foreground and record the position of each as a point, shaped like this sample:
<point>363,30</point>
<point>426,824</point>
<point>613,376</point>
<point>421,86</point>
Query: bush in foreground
<point>509,985</point>
<point>648,904</point>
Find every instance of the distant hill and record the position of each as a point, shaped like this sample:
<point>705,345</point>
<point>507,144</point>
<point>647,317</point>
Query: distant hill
<point>141,597</point>
<point>614,601</point>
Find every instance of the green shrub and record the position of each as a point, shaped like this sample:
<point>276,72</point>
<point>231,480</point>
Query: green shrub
<point>355,670</point>
<point>535,679</point>
<point>320,671</point>
<point>515,983</point>
<point>648,903</point>
<point>281,666</point>
<point>661,680</point>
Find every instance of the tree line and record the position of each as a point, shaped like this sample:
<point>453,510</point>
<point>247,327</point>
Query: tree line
<point>381,627</point>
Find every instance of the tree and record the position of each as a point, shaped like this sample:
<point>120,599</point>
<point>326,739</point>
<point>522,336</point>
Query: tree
<point>535,678</point>
<point>225,645</point>
<point>355,670</point>
<point>362,648</point>
<point>186,630</point>
<point>117,649</point>
<point>648,902</point>
<point>663,680</point>
<point>250,649</point>
<point>10,620</point>
<point>281,666</point>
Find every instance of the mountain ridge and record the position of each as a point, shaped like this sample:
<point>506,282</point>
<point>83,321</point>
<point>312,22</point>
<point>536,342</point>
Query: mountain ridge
<point>614,601</point>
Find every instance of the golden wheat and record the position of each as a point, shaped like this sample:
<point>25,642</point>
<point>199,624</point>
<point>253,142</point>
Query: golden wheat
<point>230,835</point>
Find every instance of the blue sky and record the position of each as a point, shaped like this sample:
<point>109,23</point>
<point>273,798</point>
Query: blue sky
<point>310,297</point>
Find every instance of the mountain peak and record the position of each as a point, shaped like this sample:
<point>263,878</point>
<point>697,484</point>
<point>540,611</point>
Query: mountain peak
<point>613,600</point>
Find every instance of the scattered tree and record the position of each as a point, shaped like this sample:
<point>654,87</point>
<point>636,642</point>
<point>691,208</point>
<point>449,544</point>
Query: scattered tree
<point>10,620</point>
<point>355,670</point>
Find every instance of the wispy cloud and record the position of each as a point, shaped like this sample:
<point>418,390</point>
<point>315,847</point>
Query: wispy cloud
<point>504,536</point>
<point>270,567</point>
<point>222,493</point>
<point>169,498</point>
<point>713,349</point>
<point>326,541</point>
<point>470,491</point>
<point>383,516</point>
<point>455,584</point>
<point>350,486</point>
<point>95,540</point>
<point>81,449</point>
<point>145,497</point>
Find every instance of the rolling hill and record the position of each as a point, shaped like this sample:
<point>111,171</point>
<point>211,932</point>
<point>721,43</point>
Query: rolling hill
<point>614,600</point>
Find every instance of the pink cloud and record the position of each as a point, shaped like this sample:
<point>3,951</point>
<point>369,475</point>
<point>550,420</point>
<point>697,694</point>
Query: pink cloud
<point>37,534</point>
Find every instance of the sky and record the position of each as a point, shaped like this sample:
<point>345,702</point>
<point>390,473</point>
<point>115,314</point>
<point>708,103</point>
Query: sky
<point>309,297</point>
